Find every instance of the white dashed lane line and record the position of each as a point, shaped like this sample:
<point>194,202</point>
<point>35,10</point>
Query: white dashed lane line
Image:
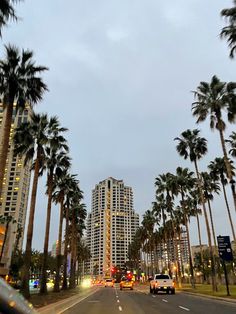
<point>164,300</point>
<point>184,308</point>
<point>120,308</point>
<point>118,301</point>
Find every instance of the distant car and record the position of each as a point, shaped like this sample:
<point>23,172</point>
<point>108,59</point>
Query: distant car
<point>109,283</point>
<point>126,283</point>
<point>162,283</point>
<point>11,302</point>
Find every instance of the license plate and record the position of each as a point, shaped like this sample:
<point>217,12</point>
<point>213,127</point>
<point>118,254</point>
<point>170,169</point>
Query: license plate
<point>165,287</point>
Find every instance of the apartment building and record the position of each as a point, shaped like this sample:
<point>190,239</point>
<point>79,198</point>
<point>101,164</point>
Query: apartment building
<point>111,226</point>
<point>14,197</point>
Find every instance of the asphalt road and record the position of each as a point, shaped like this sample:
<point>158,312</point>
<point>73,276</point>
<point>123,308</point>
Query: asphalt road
<point>113,301</point>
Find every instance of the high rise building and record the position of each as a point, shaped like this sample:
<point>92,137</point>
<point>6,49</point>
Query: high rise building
<point>14,197</point>
<point>111,226</point>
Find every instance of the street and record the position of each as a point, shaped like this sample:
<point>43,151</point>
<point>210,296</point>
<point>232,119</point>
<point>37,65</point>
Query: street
<point>112,300</point>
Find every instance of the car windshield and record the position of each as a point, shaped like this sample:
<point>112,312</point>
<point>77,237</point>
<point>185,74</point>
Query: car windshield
<point>162,277</point>
<point>108,280</point>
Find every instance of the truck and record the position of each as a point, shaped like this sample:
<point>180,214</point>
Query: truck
<point>162,282</point>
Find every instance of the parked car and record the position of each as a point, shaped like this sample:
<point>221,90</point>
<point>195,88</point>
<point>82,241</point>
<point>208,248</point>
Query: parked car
<point>109,283</point>
<point>126,283</point>
<point>11,302</point>
<point>162,283</point>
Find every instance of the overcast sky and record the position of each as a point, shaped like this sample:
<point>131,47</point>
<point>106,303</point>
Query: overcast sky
<point>121,76</point>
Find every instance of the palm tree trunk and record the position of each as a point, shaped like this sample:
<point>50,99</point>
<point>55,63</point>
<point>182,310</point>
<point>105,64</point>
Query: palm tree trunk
<point>190,255</point>
<point>27,259</point>
<point>214,285</point>
<point>43,286</point>
<point>4,240</point>
<point>200,244</point>
<point>228,210</point>
<point>212,223</point>
<point>228,167</point>
<point>58,266</point>
<point>72,268</point>
<point>64,284</point>
<point>5,142</point>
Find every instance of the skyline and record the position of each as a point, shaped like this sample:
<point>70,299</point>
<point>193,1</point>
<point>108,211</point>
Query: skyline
<point>129,68</point>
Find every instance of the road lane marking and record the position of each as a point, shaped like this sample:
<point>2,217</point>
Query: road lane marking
<point>118,301</point>
<point>95,301</point>
<point>164,300</point>
<point>184,308</point>
<point>117,296</point>
<point>153,296</point>
<point>120,308</point>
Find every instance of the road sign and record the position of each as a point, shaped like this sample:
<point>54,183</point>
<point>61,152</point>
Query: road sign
<point>224,248</point>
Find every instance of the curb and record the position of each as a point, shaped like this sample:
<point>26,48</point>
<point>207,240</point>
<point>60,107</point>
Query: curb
<point>209,296</point>
<point>63,305</point>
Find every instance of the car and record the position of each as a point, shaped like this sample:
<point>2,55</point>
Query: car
<point>109,283</point>
<point>126,283</point>
<point>163,283</point>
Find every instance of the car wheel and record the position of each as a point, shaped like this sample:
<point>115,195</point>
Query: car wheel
<point>155,291</point>
<point>151,290</point>
<point>120,288</point>
<point>132,288</point>
<point>167,291</point>
<point>173,291</point>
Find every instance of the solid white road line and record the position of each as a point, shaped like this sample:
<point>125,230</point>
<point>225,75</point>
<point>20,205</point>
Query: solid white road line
<point>164,300</point>
<point>184,308</point>
<point>120,308</point>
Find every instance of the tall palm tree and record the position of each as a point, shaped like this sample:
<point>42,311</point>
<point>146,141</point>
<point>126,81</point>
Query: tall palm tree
<point>210,186</point>
<point>148,224</point>
<point>56,161</point>
<point>196,210</point>
<point>229,31</point>
<point>20,83</point>
<point>7,12</point>
<point>60,189</point>
<point>212,99</point>
<point>218,172</point>
<point>191,145</point>
<point>30,141</point>
<point>186,182</point>
<point>72,185</point>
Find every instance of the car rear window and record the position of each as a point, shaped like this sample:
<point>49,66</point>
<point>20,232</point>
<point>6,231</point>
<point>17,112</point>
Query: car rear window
<point>162,277</point>
<point>108,280</point>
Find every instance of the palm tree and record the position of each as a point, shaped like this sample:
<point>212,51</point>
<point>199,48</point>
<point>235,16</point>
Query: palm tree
<point>30,140</point>
<point>77,217</point>
<point>218,172</point>
<point>148,224</point>
<point>7,12</point>
<point>191,145</point>
<point>196,210</point>
<point>20,84</point>
<point>72,185</point>
<point>56,161</point>
<point>185,183</point>
<point>212,99</point>
<point>61,186</point>
<point>210,186</point>
<point>229,32</point>
<point>5,220</point>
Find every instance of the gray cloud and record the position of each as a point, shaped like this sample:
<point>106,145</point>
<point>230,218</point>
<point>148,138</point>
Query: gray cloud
<point>120,78</point>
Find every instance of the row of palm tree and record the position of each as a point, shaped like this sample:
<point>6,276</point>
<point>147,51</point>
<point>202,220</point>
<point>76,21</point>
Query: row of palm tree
<point>210,100</point>
<point>40,142</point>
